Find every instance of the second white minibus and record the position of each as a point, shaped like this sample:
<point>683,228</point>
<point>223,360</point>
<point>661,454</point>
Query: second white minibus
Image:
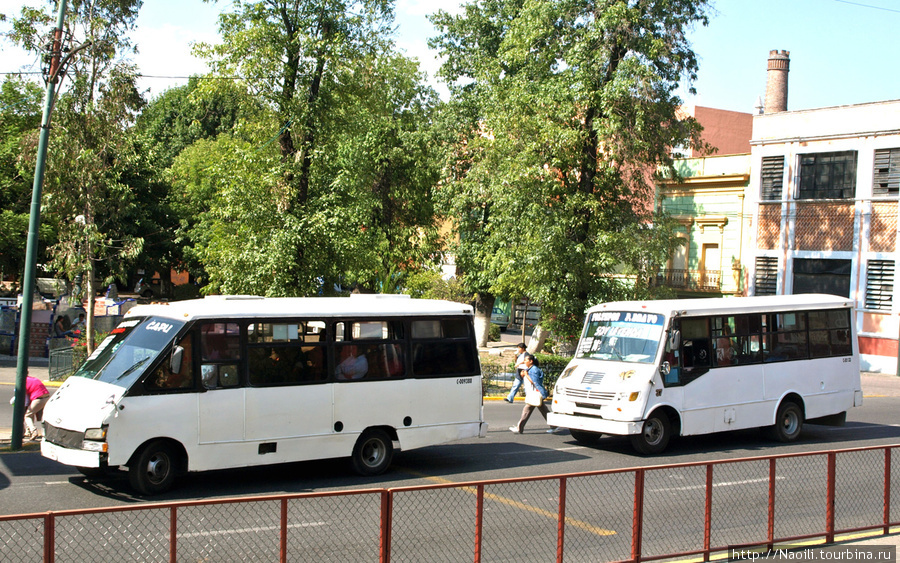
<point>653,369</point>
<point>228,382</point>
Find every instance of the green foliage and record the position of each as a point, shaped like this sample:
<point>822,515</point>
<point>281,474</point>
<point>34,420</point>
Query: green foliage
<point>430,284</point>
<point>562,108</point>
<point>344,196</point>
<point>20,117</point>
<point>86,195</point>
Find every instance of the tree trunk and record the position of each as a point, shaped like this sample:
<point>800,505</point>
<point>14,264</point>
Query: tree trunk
<point>484,306</point>
<point>538,337</point>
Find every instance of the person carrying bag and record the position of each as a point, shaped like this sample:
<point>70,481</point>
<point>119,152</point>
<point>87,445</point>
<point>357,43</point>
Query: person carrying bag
<point>535,393</point>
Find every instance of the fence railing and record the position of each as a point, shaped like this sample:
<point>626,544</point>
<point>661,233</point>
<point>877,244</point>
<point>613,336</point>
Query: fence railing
<point>497,378</point>
<point>636,514</point>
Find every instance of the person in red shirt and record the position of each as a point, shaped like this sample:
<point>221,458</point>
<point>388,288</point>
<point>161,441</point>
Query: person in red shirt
<point>37,396</point>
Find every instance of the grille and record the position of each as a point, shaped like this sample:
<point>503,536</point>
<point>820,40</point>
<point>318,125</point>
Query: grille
<point>62,437</point>
<point>592,378</point>
<point>602,396</point>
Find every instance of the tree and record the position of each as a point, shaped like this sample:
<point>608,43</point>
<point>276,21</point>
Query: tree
<point>20,116</point>
<point>85,194</point>
<point>348,199</point>
<point>169,123</point>
<point>572,106</point>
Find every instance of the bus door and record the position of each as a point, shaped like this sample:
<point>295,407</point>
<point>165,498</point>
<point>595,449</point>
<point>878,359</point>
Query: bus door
<point>289,395</point>
<point>724,390</point>
<point>364,352</point>
<point>221,402</point>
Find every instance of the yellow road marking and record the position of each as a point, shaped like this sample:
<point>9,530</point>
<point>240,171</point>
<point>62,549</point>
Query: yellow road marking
<point>516,504</point>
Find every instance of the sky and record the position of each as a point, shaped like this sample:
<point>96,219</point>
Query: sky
<point>842,52</point>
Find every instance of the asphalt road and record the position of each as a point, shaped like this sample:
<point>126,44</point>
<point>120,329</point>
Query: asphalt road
<point>31,483</point>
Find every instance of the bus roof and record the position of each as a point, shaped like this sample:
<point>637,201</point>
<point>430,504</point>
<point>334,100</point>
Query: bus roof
<point>248,306</point>
<point>729,305</point>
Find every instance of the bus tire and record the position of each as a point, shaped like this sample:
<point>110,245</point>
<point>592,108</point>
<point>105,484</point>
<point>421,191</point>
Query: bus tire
<point>654,436</point>
<point>153,470</point>
<point>584,437</point>
<point>372,453</point>
<point>788,422</point>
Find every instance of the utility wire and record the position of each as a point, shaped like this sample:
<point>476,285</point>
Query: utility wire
<point>868,6</point>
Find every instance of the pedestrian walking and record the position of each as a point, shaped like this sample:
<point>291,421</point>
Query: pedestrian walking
<point>535,393</point>
<point>519,369</point>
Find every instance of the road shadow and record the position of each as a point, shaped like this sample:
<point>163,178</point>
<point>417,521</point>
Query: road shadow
<point>752,442</point>
<point>408,468</point>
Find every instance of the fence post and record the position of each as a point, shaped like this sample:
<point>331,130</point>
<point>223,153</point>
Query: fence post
<point>282,548</point>
<point>387,509</point>
<point>887,490</point>
<point>771,524</point>
<point>637,525</point>
<point>173,534</point>
<point>707,513</point>
<point>49,538</point>
<point>479,521</point>
<point>829,508</point>
<point>561,524</point>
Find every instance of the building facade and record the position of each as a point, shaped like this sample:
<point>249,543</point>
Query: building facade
<point>823,193</point>
<point>708,203</point>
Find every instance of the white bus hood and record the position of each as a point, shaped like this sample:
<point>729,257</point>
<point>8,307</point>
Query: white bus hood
<point>82,403</point>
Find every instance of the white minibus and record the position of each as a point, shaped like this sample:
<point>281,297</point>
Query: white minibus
<point>238,381</point>
<point>654,369</point>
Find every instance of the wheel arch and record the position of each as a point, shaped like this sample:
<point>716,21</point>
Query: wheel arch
<point>177,447</point>
<point>790,397</point>
<point>672,414</point>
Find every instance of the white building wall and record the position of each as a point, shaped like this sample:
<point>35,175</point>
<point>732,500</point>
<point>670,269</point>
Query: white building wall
<point>863,128</point>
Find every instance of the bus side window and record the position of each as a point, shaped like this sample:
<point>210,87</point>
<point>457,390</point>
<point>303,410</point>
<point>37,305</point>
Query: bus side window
<point>220,351</point>
<point>164,378</point>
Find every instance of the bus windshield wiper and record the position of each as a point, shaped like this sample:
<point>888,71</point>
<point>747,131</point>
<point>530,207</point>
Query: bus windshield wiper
<point>136,365</point>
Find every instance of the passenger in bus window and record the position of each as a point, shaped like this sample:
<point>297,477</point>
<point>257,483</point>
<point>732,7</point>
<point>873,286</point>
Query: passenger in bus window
<point>353,365</point>
<point>165,378</point>
<point>724,352</point>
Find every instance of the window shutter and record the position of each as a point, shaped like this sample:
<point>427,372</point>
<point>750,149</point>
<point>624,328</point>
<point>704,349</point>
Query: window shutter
<point>887,172</point>
<point>879,284</point>
<point>766,275</point>
<point>772,178</point>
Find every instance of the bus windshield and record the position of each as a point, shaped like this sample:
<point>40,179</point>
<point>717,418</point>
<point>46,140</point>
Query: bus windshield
<point>621,336</point>
<point>132,346</point>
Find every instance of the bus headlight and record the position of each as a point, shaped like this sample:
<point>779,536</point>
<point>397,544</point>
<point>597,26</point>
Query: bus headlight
<point>630,397</point>
<point>95,440</point>
<point>567,372</point>
<point>95,434</point>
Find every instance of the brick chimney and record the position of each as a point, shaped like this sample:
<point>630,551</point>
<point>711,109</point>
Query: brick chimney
<point>777,83</point>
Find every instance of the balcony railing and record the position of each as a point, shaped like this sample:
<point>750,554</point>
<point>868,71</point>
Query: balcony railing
<point>690,280</point>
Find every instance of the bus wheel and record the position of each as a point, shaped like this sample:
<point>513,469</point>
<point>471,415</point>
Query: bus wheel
<point>372,453</point>
<point>153,469</point>
<point>788,423</point>
<point>584,437</point>
<point>654,436</point>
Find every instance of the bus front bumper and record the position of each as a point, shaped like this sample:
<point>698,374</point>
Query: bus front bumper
<point>68,456</point>
<point>593,424</point>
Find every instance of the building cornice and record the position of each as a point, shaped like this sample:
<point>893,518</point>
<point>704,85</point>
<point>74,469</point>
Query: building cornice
<point>810,138</point>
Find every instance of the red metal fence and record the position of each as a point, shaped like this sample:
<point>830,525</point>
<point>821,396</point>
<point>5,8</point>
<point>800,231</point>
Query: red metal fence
<point>636,514</point>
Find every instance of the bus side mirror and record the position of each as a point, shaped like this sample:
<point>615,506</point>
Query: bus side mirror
<point>665,369</point>
<point>175,361</point>
<point>674,341</point>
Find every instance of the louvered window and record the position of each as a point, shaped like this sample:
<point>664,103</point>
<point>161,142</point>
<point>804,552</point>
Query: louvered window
<point>887,172</point>
<point>766,275</point>
<point>772,177</point>
<point>879,284</point>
